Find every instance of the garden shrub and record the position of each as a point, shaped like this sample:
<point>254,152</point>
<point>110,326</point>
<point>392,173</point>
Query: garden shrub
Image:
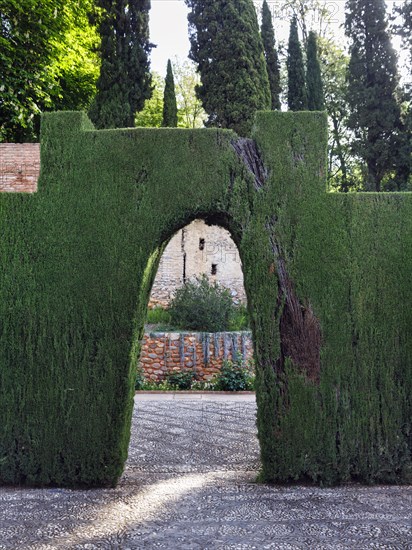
<point>240,319</point>
<point>139,380</point>
<point>234,376</point>
<point>158,316</point>
<point>182,380</point>
<point>202,306</point>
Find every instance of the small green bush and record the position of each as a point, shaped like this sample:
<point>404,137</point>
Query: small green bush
<point>140,380</point>
<point>202,306</point>
<point>240,320</point>
<point>181,380</point>
<point>234,376</point>
<point>157,316</point>
<point>144,384</point>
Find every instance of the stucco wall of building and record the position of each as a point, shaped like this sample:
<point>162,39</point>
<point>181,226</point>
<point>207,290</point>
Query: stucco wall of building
<point>195,250</point>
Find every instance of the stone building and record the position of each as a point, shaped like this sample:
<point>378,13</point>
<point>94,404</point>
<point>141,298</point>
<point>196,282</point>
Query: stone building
<point>198,249</point>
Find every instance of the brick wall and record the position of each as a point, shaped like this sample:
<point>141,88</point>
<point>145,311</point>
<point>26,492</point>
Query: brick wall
<point>203,353</point>
<point>19,167</point>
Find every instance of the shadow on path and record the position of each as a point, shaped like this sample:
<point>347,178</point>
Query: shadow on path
<point>189,484</point>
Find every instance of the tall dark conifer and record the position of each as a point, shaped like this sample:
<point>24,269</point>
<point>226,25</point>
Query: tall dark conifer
<point>272,60</point>
<point>228,49</point>
<point>125,81</point>
<point>297,94</point>
<point>372,90</point>
<point>314,84</point>
<point>169,100</point>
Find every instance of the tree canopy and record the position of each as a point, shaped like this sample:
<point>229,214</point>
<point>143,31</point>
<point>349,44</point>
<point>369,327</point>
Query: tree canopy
<point>373,87</point>
<point>297,93</point>
<point>272,61</point>
<point>125,80</point>
<point>228,50</point>
<point>169,100</point>
<point>314,82</point>
<point>47,62</point>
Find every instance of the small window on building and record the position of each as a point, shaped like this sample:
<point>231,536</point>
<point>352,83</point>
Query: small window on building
<point>214,269</point>
<point>201,244</point>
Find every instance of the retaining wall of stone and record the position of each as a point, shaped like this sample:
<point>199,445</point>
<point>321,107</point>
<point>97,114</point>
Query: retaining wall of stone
<point>202,353</point>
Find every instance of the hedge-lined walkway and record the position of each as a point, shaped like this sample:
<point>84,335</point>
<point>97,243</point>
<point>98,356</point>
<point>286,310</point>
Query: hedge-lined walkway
<point>189,483</point>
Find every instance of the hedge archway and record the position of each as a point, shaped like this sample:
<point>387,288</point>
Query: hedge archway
<point>326,276</point>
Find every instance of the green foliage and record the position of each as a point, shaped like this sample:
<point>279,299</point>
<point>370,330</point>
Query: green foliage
<point>234,376</point>
<point>46,62</point>
<point>182,380</point>
<point>297,93</point>
<point>222,32</point>
<point>79,257</point>
<point>343,166</point>
<point>140,380</point>
<point>314,83</point>
<point>240,319</point>
<point>190,111</point>
<point>271,55</point>
<point>151,115</point>
<point>202,306</point>
<point>125,81</point>
<point>315,15</point>
<point>158,315</point>
<point>169,100</point>
<point>76,64</point>
<point>372,93</point>
<point>142,384</point>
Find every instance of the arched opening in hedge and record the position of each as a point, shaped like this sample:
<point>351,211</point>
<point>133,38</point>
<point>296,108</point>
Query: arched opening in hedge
<point>325,276</point>
<point>197,320</point>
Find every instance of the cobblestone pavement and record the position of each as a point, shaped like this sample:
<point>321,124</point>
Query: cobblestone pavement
<point>189,484</point>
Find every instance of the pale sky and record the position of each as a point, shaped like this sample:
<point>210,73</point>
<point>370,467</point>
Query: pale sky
<point>168,27</point>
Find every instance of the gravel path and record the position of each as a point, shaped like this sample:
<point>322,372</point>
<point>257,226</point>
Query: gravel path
<point>189,484</point>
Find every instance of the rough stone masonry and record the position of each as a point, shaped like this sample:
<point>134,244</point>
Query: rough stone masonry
<point>201,353</point>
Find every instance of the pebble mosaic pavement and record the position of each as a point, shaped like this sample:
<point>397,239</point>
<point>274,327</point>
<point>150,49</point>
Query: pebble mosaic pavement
<point>189,484</point>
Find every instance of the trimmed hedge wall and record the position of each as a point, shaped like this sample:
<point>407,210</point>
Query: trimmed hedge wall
<point>327,279</point>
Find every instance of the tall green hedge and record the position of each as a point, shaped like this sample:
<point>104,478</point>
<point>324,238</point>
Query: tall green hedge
<point>78,258</point>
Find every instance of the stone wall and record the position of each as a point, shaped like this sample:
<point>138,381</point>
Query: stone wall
<point>198,249</point>
<point>19,167</point>
<point>201,352</point>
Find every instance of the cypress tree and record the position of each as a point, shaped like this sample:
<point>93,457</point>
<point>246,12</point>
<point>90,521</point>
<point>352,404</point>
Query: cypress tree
<point>314,82</point>
<point>125,81</point>
<point>297,94</point>
<point>228,50</point>
<point>372,89</point>
<point>169,100</point>
<point>271,55</point>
